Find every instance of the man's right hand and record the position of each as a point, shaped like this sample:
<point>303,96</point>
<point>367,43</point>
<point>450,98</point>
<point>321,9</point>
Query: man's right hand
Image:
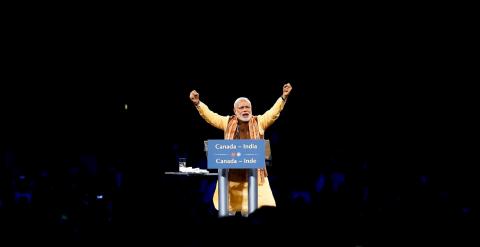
<point>195,97</point>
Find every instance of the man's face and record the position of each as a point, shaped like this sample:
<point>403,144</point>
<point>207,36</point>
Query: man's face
<point>243,111</point>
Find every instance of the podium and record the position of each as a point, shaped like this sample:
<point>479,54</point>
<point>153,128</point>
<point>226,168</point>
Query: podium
<point>236,154</point>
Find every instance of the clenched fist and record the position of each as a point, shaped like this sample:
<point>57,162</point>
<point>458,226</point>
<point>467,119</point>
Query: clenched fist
<point>286,90</point>
<point>195,97</point>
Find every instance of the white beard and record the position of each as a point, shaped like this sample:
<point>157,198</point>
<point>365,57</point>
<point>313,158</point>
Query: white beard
<point>245,119</point>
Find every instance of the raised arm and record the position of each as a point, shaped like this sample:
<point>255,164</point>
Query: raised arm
<point>211,117</point>
<point>271,115</point>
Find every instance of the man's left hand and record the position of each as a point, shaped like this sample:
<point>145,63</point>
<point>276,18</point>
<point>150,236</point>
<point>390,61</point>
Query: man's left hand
<point>286,90</point>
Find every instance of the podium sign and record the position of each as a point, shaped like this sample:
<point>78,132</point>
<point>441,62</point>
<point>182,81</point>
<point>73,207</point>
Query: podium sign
<point>237,154</point>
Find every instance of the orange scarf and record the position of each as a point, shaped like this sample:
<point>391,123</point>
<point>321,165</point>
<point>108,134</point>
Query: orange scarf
<point>254,134</point>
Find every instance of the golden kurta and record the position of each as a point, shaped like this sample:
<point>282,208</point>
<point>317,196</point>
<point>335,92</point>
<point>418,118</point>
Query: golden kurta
<point>238,182</point>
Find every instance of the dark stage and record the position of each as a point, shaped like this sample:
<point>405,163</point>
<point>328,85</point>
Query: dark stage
<point>81,161</point>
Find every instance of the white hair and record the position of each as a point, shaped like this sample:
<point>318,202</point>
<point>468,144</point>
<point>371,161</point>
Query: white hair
<point>241,99</point>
